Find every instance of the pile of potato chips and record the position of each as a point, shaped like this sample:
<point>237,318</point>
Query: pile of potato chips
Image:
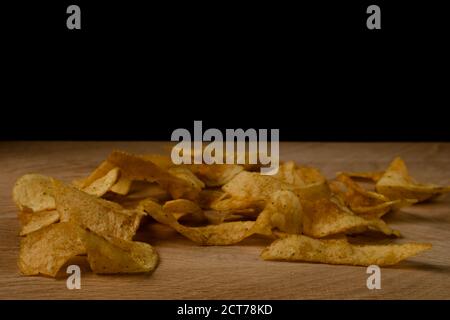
<point>306,217</point>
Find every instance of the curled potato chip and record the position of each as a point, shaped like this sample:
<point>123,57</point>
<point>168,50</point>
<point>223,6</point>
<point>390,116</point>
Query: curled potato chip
<point>101,216</point>
<point>365,203</point>
<point>187,175</point>
<point>161,161</point>
<point>98,173</point>
<point>308,181</point>
<point>39,220</point>
<point>325,217</point>
<point>34,192</point>
<point>212,235</point>
<point>47,250</point>
<point>122,186</point>
<point>340,251</point>
<point>181,208</point>
<point>396,183</point>
<point>138,168</point>
<point>253,186</point>
<point>113,255</point>
<point>102,185</point>
<point>283,212</point>
<point>215,175</point>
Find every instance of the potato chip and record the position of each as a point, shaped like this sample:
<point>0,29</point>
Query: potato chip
<point>122,186</point>
<point>309,183</point>
<point>39,220</point>
<point>185,174</point>
<point>283,212</point>
<point>213,235</point>
<point>137,168</point>
<point>161,161</point>
<point>98,173</point>
<point>143,189</point>
<point>215,175</point>
<point>47,250</point>
<point>113,255</point>
<point>340,251</point>
<point>253,186</point>
<point>365,203</point>
<point>396,183</point>
<point>101,216</point>
<point>102,185</point>
<point>325,217</point>
<point>181,208</point>
<point>34,192</point>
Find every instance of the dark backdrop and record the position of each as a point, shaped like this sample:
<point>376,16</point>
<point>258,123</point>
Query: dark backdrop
<point>138,71</point>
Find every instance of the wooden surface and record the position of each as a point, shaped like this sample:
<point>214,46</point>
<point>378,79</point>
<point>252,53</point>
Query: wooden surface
<point>187,271</point>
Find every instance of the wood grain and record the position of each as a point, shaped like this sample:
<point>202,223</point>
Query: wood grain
<point>187,271</point>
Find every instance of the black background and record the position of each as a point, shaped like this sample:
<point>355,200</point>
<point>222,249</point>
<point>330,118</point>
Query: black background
<point>138,71</point>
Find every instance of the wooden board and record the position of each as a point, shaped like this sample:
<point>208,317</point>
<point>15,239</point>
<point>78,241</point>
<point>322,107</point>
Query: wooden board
<point>187,271</point>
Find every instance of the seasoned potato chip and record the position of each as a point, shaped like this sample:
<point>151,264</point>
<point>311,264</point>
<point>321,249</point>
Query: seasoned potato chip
<point>340,251</point>
<point>101,216</point>
<point>215,175</point>
<point>34,192</point>
<point>39,220</point>
<point>396,183</point>
<point>365,203</point>
<point>283,212</point>
<point>102,185</point>
<point>325,217</point>
<point>309,183</point>
<point>47,250</point>
<point>253,186</point>
<point>137,168</point>
<point>113,255</point>
<point>212,235</point>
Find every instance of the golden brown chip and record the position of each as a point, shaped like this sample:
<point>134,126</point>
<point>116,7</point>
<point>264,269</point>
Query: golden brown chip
<point>252,186</point>
<point>113,255</point>
<point>185,174</point>
<point>161,161</point>
<point>303,248</point>
<point>47,250</point>
<point>215,175</point>
<point>138,168</point>
<point>365,203</point>
<point>325,217</point>
<point>396,183</point>
<point>143,189</point>
<point>98,173</point>
<point>213,235</point>
<point>34,192</point>
<point>122,186</point>
<point>101,216</point>
<point>102,185</point>
<point>181,208</point>
<point>39,220</point>
<point>283,212</point>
